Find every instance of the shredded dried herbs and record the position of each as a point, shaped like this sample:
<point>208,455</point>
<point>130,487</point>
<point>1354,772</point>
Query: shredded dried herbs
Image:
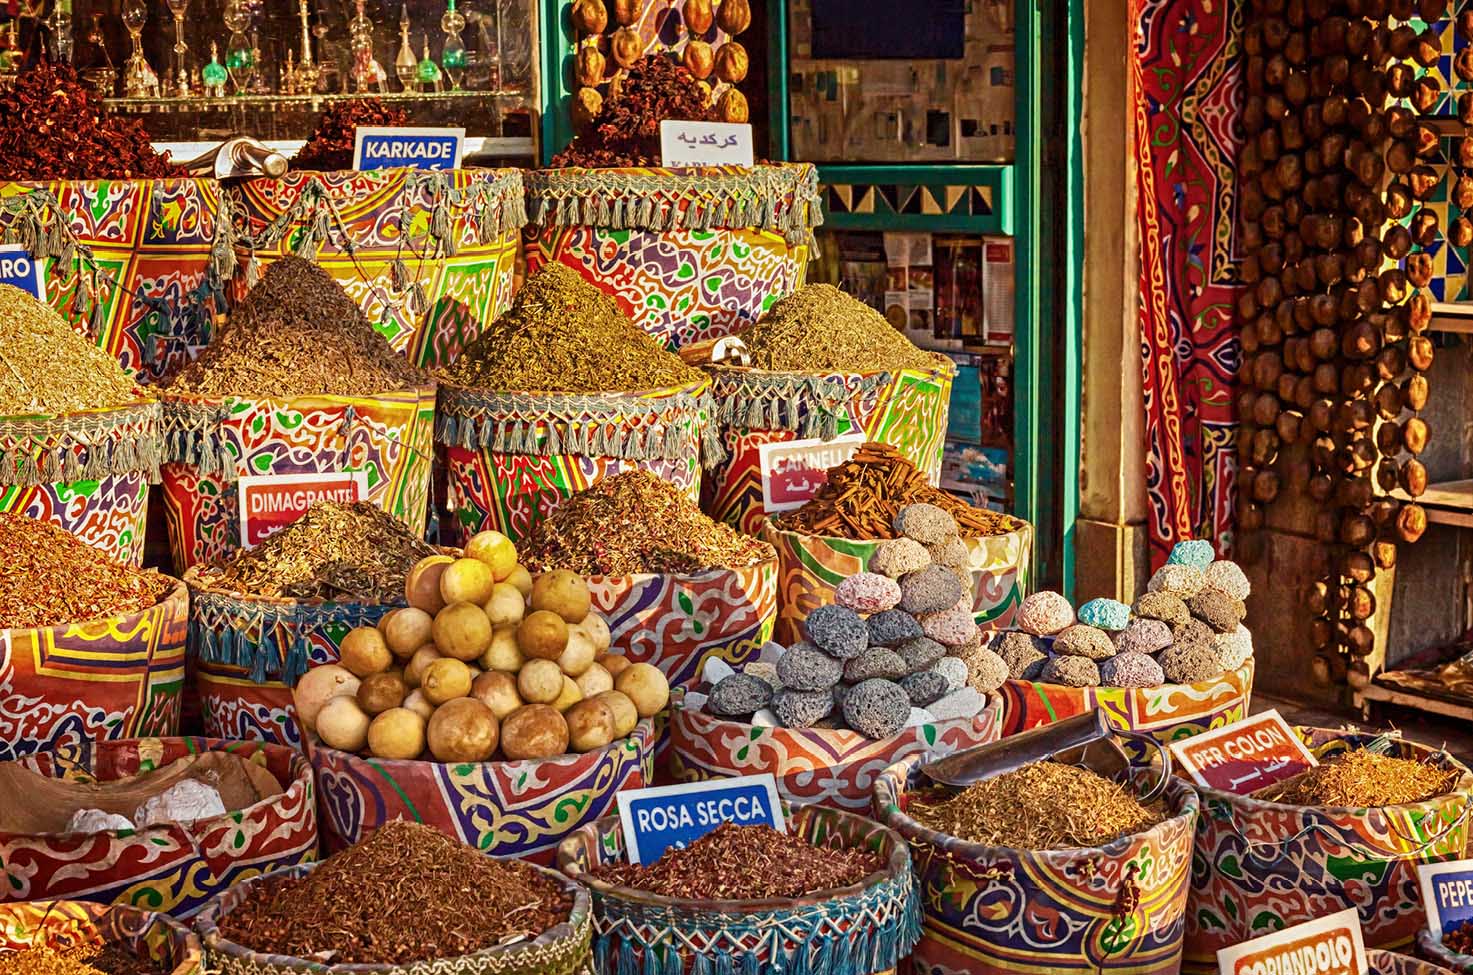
<point>626,131</point>
<point>330,147</point>
<point>352,551</point>
<point>1361,779</point>
<point>1043,806</point>
<point>50,578</point>
<point>636,522</point>
<point>408,893</point>
<point>562,334</point>
<point>821,329</point>
<point>46,367</point>
<point>745,863</point>
<point>862,496</point>
<point>86,959</point>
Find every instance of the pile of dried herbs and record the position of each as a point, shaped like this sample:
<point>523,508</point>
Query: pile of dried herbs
<point>821,329</point>
<point>636,522</point>
<point>298,333</point>
<point>408,893</point>
<point>564,335</point>
<point>50,578</point>
<point>47,367</point>
<point>1043,806</point>
<point>335,551</point>
<point>745,863</point>
<point>52,126</point>
<point>1360,779</point>
<point>91,958</point>
<point>862,496</point>
<point>330,147</point>
<point>626,131</point>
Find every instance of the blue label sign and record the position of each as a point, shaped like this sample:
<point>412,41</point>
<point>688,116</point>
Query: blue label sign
<point>655,820</point>
<point>387,147</point>
<point>1447,894</point>
<point>20,270</point>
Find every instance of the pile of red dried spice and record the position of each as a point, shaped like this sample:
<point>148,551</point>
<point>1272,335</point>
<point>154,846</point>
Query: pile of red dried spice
<point>52,126</point>
<point>331,145</point>
<point>626,131</point>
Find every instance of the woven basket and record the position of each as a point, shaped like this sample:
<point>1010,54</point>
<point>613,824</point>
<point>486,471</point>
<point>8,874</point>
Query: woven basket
<point>1262,866</point>
<point>60,924</point>
<point>1443,962</point>
<point>211,442</point>
<point>999,911</point>
<point>858,930</point>
<point>173,867</point>
<point>87,473</point>
<point>514,457</point>
<point>429,255</point>
<point>560,950</point>
<point>689,254</point>
<point>907,410</point>
<point>136,265</point>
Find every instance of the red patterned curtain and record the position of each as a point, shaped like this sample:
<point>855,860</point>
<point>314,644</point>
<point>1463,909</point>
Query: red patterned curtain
<point>1186,94</point>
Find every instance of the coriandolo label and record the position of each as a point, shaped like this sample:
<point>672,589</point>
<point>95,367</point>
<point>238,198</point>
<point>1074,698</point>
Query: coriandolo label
<point>1326,946</point>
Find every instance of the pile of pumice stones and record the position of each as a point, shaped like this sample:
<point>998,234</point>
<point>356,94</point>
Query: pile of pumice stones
<point>897,648</point>
<point>1187,627</point>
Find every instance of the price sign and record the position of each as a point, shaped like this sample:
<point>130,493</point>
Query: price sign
<point>654,820</point>
<point>389,147</point>
<point>270,502</point>
<point>705,144</point>
<point>1325,946</point>
<point>1241,758</point>
<point>20,270</point>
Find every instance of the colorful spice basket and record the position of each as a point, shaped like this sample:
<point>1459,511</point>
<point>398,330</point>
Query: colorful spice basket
<point>505,809</point>
<point>64,925</point>
<point>688,254</point>
<point>1261,864</point>
<point>428,255</point>
<point>865,927</point>
<point>264,817</point>
<point>133,264</point>
<point>1114,907</point>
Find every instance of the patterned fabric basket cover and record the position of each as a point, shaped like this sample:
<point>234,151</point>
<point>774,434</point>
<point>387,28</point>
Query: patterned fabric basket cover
<point>1443,962</point>
<point>210,443</point>
<point>428,255</point>
<point>1167,713</point>
<point>689,254</point>
<point>815,765</point>
<point>514,457</point>
<point>560,950</point>
<point>519,809</point>
<point>61,924</point>
<point>136,265</point>
<point>118,677</point>
<point>1260,866</point>
<point>174,868</point>
<point>1000,911</point>
<point>863,929</point>
<point>810,568</point>
<point>87,473</point>
<point>250,652</point>
<point>907,410</point>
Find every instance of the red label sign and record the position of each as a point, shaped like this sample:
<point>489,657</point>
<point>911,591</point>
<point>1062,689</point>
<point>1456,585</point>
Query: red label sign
<point>268,503</point>
<point>792,471</point>
<point>1244,757</point>
<point>1325,946</point>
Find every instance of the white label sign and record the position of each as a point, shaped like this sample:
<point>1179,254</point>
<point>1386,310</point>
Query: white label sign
<point>1330,945</point>
<point>270,502</point>
<point>705,144</point>
<point>391,147</point>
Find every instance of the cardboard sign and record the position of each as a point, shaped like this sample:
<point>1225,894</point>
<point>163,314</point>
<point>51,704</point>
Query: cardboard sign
<point>1325,946</point>
<point>705,144</point>
<point>20,270</point>
<point>793,471</point>
<point>655,820</point>
<point>388,147</point>
<point>1447,894</point>
<point>270,502</point>
<point>1241,758</point>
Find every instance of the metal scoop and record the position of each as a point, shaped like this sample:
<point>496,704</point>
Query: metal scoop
<point>238,156</point>
<point>1086,740</point>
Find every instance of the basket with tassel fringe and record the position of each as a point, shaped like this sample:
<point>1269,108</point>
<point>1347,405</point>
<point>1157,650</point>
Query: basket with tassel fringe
<point>62,925</point>
<point>209,443</point>
<point>862,929</point>
<point>87,472</point>
<point>428,254</point>
<point>136,265</point>
<point>514,457</point>
<point>689,254</point>
<point>777,429</point>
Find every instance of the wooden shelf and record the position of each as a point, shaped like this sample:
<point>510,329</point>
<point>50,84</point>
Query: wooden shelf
<point>1455,317</point>
<point>1378,694</point>
<point>1448,503</point>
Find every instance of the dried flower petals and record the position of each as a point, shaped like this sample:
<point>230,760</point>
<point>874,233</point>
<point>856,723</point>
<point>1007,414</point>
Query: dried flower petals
<point>50,578</point>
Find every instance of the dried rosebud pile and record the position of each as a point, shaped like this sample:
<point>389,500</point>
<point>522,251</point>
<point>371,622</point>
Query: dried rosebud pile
<point>54,127</point>
<point>626,131</point>
<point>331,145</point>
